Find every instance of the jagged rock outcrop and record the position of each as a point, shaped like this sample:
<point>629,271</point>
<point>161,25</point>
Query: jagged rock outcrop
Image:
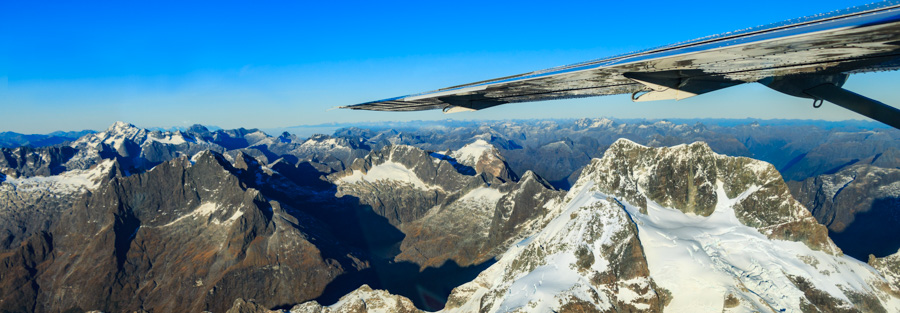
<point>521,212</point>
<point>889,267</point>
<point>478,225</point>
<point>588,258</point>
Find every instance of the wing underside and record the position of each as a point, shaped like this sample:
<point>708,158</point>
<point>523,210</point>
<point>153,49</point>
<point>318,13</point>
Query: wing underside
<point>855,40</point>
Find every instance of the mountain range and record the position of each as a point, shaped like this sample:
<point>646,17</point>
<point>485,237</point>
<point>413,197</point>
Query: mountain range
<point>498,216</point>
<point>12,139</point>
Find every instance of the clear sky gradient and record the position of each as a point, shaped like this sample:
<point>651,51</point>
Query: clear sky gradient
<point>83,65</point>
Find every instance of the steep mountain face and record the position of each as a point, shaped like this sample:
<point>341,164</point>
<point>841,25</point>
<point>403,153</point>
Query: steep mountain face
<point>725,237</point>
<point>835,199</point>
<point>30,205</point>
<point>859,206</point>
<point>187,235</point>
<point>401,182</point>
<point>461,206</point>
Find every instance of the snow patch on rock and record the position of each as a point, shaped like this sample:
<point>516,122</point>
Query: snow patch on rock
<point>205,210</point>
<point>387,171</point>
<point>483,194</point>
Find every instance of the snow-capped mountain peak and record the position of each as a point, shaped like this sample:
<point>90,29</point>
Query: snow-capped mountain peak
<point>595,123</point>
<point>121,125</point>
<point>116,136</point>
<point>471,153</point>
<point>483,157</point>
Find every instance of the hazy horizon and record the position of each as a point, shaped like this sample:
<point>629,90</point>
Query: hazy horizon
<point>311,129</point>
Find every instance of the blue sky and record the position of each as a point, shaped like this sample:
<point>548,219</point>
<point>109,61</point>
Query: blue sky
<point>72,66</point>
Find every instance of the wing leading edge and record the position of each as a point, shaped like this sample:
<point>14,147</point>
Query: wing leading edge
<point>792,57</point>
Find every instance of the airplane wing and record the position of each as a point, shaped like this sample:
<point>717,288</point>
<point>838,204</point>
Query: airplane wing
<point>795,57</point>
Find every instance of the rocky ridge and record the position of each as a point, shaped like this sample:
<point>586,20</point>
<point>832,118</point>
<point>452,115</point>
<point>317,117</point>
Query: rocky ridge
<point>189,234</point>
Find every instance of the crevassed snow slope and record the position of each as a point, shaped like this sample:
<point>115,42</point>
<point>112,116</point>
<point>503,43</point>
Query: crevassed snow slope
<point>703,259</point>
<point>66,182</point>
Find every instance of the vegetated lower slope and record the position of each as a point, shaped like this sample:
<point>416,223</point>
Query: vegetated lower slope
<point>678,229</point>
<point>859,204</point>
